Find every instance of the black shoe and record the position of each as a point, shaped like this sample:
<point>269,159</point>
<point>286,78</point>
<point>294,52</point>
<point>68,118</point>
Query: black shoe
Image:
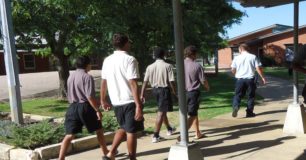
<point>235,111</point>
<point>106,158</point>
<point>249,115</point>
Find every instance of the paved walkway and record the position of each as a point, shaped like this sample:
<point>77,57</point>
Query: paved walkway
<point>36,84</point>
<point>259,138</point>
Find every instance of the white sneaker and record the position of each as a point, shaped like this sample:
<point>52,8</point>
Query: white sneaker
<point>171,131</point>
<point>157,139</point>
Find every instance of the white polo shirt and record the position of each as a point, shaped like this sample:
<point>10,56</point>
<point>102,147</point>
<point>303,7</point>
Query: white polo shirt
<point>245,65</point>
<point>117,70</point>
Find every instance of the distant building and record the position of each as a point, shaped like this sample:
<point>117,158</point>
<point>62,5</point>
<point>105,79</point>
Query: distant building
<point>269,44</point>
<point>27,62</point>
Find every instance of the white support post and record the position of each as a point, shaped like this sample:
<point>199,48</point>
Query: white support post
<point>11,63</point>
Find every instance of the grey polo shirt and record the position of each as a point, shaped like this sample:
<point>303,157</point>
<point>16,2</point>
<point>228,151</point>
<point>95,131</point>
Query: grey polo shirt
<point>159,73</point>
<point>80,86</point>
<point>194,74</point>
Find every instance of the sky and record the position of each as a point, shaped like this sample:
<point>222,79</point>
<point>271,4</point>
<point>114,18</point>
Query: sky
<point>258,18</point>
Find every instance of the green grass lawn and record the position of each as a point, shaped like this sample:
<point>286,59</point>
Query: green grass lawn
<point>282,72</point>
<point>41,106</point>
<point>213,103</point>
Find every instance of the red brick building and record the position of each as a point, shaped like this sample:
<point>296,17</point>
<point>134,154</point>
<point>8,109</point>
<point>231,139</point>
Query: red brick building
<point>28,62</point>
<point>268,43</point>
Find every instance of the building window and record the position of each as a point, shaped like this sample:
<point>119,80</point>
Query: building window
<point>235,52</point>
<point>29,61</point>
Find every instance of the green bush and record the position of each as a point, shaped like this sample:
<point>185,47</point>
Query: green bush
<point>36,135</point>
<point>6,128</point>
<point>109,123</point>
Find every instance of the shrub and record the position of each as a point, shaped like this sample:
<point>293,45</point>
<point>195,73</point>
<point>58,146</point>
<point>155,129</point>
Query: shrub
<point>36,135</point>
<point>109,123</point>
<point>6,128</point>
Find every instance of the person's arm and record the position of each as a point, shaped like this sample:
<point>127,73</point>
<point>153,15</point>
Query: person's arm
<point>90,95</point>
<point>233,71</point>
<point>143,89</point>
<point>134,88</point>
<point>260,72</point>
<point>106,106</point>
<point>172,86</point>
<point>205,85</point>
<point>93,102</point>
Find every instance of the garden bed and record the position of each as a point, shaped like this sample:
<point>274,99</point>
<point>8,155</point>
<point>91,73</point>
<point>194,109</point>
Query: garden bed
<point>39,137</point>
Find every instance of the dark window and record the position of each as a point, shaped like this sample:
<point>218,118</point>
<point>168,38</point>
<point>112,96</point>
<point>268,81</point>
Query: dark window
<point>29,61</point>
<point>235,52</point>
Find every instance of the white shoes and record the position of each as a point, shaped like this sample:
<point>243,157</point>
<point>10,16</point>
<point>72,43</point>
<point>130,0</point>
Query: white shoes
<point>157,139</point>
<point>171,131</point>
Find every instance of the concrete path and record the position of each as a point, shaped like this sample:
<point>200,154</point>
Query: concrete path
<point>259,138</point>
<point>36,84</point>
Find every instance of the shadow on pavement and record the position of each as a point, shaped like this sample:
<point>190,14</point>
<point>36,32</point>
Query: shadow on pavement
<point>271,112</point>
<point>240,126</point>
<point>302,156</point>
<point>248,147</point>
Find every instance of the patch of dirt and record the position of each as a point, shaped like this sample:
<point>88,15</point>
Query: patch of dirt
<point>7,116</point>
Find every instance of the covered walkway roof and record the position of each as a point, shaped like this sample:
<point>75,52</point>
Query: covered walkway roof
<point>264,3</point>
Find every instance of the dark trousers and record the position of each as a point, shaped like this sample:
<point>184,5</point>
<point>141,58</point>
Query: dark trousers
<point>304,92</point>
<point>244,86</point>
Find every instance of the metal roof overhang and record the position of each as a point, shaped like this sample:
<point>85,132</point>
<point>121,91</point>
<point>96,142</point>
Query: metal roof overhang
<point>264,3</point>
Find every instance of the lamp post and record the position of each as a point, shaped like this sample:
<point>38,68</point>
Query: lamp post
<point>183,150</point>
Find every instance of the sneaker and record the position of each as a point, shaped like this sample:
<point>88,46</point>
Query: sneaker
<point>171,131</point>
<point>249,115</point>
<point>157,139</point>
<point>106,158</point>
<point>235,111</point>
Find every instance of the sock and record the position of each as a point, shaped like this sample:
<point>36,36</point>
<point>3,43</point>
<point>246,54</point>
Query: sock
<point>169,128</point>
<point>156,134</point>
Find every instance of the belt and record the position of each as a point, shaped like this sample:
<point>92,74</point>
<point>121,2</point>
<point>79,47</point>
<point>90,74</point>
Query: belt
<point>245,78</point>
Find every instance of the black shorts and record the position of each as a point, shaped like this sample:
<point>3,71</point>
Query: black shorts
<point>193,102</point>
<point>125,116</point>
<point>79,114</point>
<point>163,98</point>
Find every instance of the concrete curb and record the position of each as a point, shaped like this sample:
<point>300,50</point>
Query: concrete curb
<point>10,153</point>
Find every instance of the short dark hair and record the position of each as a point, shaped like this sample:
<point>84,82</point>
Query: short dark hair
<point>82,62</point>
<point>119,40</point>
<point>158,52</point>
<point>190,50</point>
<point>244,46</point>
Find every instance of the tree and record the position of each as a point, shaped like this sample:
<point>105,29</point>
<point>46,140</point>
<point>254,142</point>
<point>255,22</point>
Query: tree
<point>74,27</point>
<point>61,23</point>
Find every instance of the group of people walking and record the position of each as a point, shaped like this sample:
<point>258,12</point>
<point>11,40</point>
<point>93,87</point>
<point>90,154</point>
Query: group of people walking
<point>119,81</point>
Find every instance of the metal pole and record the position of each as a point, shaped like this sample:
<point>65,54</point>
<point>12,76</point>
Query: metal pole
<point>11,65</point>
<point>216,61</point>
<point>178,35</point>
<point>296,45</point>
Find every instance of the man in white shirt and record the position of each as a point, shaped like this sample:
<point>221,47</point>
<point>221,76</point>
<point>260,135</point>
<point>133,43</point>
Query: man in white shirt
<point>119,75</point>
<point>243,67</point>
